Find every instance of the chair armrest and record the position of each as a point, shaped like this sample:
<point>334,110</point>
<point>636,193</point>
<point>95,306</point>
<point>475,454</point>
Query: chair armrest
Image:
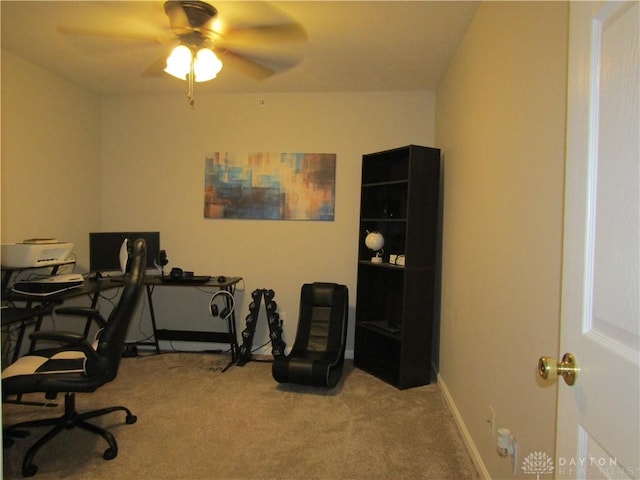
<point>85,312</point>
<point>71,340</point>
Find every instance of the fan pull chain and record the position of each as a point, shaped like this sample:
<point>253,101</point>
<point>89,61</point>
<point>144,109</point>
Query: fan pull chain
<point>192,76</point>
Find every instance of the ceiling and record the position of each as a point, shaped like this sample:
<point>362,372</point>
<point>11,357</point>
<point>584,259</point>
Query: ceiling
<point>350,45</point>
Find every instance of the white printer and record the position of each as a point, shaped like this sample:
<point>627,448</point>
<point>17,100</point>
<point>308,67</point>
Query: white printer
<point>35,253</point>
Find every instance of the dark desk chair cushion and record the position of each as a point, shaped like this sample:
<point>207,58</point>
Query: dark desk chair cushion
<point>317,355</point>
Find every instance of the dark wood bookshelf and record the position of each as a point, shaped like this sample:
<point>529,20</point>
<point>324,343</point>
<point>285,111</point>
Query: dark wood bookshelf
<point>396,305</point>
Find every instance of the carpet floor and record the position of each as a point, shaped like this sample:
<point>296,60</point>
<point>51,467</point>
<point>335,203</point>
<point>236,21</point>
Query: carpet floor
<point>196,422</point>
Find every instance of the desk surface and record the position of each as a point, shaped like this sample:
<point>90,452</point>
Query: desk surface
<point>92,285</point>
<point>212,282</point>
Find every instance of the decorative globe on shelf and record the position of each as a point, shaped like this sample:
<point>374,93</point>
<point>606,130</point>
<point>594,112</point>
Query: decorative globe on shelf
<point>375,241</point>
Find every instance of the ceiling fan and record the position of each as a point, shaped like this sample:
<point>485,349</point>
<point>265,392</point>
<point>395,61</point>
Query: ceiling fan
<point>257,45</point>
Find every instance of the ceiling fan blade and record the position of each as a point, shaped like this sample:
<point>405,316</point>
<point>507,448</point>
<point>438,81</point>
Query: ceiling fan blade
<point>243,65</point>
<point>277,60</point>
<point>261,34</point>
<point>112,34</point>
<point>156,69</point>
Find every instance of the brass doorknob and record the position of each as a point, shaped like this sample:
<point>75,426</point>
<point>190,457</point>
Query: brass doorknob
<point>568,368</point>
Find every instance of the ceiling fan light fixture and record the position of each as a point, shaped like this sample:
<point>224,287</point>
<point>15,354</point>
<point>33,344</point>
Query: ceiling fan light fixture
<point>207,65</point>
<point>179,62</point>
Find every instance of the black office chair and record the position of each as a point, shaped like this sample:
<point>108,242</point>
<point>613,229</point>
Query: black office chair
<point>77,366</point>
<point>317,355</point>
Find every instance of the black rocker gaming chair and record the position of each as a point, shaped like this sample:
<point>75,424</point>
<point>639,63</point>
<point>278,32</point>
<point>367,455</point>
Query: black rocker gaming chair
<point>317,354</point>
<point>77,366</point>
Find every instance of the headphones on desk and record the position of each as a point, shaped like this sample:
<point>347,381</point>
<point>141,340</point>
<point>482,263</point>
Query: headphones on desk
<point>227,308</point>
<point>179,274</point>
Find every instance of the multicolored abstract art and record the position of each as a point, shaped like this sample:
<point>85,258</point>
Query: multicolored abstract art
<point>273,186</point>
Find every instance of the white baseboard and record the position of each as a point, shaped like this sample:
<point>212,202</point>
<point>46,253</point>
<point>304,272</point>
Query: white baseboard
<point>466,436</point>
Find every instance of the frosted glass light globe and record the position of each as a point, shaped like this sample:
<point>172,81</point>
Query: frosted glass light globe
<point>179,62</point>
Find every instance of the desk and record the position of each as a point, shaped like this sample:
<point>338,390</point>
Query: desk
<point>36,307</point>
<point>230,336</point>
<point>93,287</point>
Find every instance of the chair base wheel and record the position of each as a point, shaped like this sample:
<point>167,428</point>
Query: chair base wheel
<point>110,454</point>
<point>71,419</point>
<point>29,470</point>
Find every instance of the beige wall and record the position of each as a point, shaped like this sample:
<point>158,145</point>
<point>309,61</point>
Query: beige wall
<point>500,120</point>
<point>77,163</point>
<point>50,156</point>
<point>164,142</point>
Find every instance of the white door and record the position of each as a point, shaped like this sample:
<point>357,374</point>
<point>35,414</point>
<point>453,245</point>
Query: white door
<point>598,417</point>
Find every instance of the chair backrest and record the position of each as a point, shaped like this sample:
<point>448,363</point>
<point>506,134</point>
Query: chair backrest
<point>322,321</point>
<point>112,338</point>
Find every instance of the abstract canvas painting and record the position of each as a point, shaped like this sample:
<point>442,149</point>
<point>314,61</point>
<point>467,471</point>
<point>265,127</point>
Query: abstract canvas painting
<point>273,186</point>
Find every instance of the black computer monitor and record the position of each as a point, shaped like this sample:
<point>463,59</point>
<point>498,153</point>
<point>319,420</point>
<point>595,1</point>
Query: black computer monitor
<point>104,249</point>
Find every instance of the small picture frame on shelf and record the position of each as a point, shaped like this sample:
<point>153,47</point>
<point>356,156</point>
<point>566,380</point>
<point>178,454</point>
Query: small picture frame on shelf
<point>397,260</point>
